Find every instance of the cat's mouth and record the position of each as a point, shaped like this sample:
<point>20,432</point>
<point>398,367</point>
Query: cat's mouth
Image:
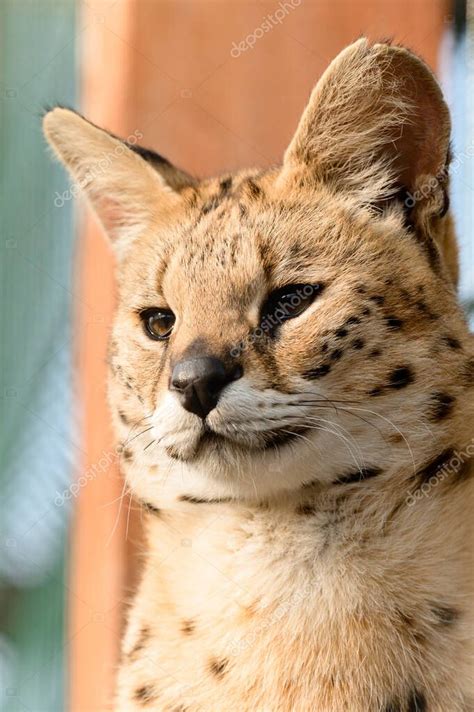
<point>212,443</point>
<point>212,439</point>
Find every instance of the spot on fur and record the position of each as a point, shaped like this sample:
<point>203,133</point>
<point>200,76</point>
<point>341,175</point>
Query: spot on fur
<point>145,694</point>
<point>417,702</point>
<point>188,626</point>
<point>151,508</point>
<point>140,643</point>
<point>452,342</point>
<point>377,299</point>
<point>218,667</point>
<point>199,500</point>
<point>253,189</point>
<point>318,372</point>
<point>436,466</point>
<point>467,373</point>
<point>441,406</point>
<point>400,377</point>
<point>393,323</point>
<point>392,706</point>
<point>306,509</point>
<point>358,344</point>
<point>365,473</point>
<point>446,615</point>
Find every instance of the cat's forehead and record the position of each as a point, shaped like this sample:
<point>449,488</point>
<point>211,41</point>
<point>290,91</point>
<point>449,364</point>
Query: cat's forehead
<point>244,221</point>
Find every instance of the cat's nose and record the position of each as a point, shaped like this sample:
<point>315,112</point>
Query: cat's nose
<point>199,382</point>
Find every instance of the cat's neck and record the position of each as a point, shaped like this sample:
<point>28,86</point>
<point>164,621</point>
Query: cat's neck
<point>335,531</point>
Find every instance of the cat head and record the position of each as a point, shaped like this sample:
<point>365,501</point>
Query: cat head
<point>288,325</point>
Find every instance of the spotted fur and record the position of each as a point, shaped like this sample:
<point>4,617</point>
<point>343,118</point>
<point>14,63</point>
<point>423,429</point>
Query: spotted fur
<point>310,545</point>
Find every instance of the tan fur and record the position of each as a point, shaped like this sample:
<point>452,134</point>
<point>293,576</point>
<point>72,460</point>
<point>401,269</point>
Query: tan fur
<point>333,572</point>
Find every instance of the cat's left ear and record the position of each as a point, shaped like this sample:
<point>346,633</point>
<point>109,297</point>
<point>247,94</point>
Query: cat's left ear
<point>376,124</point>
<point>129,188</point>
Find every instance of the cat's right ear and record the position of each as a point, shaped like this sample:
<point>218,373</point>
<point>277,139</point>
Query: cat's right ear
<point>129,188</point>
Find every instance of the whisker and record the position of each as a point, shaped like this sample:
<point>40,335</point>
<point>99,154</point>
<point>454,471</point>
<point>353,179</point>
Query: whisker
<point>373,412</point>
<point>129,440</point>
<point>348,439</point>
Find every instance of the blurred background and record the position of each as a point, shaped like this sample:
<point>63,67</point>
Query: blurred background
<point>213,85</point>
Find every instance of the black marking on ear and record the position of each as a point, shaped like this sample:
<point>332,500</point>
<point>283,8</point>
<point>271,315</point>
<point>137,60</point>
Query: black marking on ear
<point>417,702</point>
<point>446,204</point>
<point>364,473</point>
<point>441,406</point>
<point>319,372</point>
<point>218,667</point>
<point>400,377</point>
<point>145,694</point>
<point>148,154</point>
<point>175,177</point>
<point>393,323</point>
<point>433,468</point>
<point>403,197</point>
<point>446,615</point>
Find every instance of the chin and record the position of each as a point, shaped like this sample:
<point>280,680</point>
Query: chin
<point>222,468</point>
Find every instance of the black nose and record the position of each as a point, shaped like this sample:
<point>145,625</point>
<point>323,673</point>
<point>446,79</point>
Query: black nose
<point>199,382</point>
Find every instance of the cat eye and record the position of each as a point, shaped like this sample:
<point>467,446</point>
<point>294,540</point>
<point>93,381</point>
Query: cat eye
<point>289,302</point>
<point>158,323</point>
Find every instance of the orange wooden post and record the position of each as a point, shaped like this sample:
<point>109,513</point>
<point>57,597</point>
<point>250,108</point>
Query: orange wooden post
<point>171,71</point>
